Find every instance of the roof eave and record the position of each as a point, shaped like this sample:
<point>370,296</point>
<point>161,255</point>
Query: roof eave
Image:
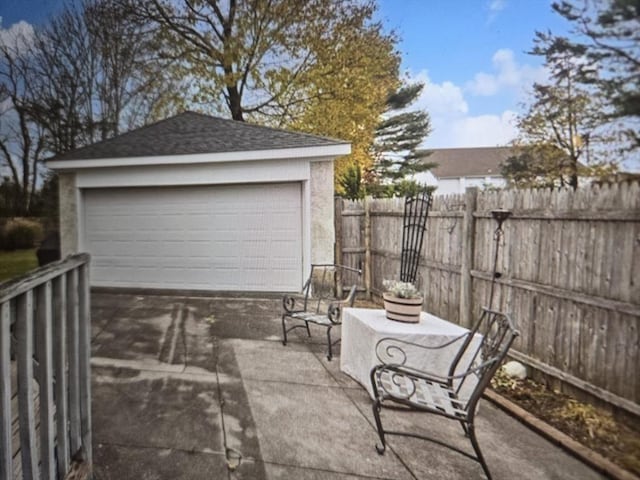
<point>323,151</point>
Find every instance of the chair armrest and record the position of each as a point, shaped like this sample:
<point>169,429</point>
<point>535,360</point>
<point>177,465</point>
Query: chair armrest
<point>334,310</point>
<point>390,350</point>
<point>431,376</point>
<point>292,304</point>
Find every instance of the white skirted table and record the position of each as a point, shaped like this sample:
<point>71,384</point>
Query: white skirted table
<point>362,329</point>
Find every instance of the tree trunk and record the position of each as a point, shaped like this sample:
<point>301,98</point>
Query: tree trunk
<point>235,103</point>
<point>573,177</point>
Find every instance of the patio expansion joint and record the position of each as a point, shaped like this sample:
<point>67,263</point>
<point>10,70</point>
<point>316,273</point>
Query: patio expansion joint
<point>288,382</point>
<point>325,470</point>
<point>94,338</point>
<point>191,451</point>
<point>182,371</point>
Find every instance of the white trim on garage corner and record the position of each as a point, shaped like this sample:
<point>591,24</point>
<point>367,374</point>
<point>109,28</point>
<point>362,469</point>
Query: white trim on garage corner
<point>306,228</point>
<point>319,152</point>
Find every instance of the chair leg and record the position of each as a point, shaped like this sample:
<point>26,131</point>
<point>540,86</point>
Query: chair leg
<point>330,353</point>
<point>284,331</point>
<point>464,427</point>
<point>308,331</point>
<point>380,448</point>
<point>474,442</point>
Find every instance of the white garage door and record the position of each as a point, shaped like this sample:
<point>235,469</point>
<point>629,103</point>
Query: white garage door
<point>240,237</point>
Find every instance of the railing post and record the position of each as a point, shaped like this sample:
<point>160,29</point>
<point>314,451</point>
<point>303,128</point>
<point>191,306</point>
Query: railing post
<point>6,452</point>
<point>60,352</point>
<point>24,335</point>
<point>73,324</point>
<point>44,341</point>
<point>466,264</point>
<point>85,360</point>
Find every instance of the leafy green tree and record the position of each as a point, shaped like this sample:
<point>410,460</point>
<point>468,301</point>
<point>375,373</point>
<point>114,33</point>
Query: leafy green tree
<point>608,32</point>
<point>350,183</point>
<point>394,149</point>
<point>563,114</point>
<point>249,57</point>
<point>319,66</point>
<point>344,93</point>
<point>537,165</point>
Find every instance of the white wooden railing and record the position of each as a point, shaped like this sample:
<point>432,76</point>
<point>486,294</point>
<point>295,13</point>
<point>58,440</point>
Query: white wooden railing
<point>45,378</point>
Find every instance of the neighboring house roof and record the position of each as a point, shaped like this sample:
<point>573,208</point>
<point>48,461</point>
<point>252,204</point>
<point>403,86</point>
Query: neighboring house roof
<point>467,162</point>
<point>193,133</point>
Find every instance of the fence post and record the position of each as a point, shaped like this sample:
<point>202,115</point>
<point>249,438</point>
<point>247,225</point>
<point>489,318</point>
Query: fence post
<point>468,237</point>
<point>337,220</point>
<point>367,247</point>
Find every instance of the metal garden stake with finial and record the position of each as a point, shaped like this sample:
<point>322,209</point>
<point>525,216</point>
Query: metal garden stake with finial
<point>500,216</point>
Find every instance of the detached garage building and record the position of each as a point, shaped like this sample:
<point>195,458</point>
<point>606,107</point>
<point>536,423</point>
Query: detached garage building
<point>200,203</point>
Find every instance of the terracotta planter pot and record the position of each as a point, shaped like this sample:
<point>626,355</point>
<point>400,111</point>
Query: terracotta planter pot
<point>402,309</point>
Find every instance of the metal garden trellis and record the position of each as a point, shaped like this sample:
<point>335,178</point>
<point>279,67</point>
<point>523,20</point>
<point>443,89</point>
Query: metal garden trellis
<point>416,210</point>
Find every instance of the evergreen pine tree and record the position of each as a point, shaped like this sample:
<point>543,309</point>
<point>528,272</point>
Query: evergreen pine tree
<point>398,136</point>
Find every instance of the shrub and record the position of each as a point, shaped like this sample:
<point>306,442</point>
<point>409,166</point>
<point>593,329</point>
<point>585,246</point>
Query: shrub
<point>21,233</point>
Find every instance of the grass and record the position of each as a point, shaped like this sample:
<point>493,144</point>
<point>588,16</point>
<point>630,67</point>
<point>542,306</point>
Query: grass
<point>16,262</point>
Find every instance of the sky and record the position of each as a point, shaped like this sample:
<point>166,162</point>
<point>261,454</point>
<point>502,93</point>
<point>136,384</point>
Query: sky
<point>470,54</point>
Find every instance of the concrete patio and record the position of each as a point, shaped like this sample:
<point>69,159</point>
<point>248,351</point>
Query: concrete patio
<point>202,388</point>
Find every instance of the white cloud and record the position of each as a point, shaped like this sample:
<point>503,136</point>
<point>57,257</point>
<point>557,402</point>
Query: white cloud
<point>508,75</point>
<point>483,130</point>
<point>452,124</point>
<point>17,37</point>
<point>495,7</point>
<point>443,98</point>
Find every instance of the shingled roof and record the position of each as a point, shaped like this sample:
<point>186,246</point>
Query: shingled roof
<point>468,162</point>
<point>193,133</point>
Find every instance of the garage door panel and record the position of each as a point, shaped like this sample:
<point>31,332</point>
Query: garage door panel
<point>229,238</point>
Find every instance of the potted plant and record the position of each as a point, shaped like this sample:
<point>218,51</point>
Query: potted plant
<point>402,301</point>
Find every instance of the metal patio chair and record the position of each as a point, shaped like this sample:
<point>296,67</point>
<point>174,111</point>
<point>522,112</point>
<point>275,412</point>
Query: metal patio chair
<point>323,298</point>
<point>397,384</point>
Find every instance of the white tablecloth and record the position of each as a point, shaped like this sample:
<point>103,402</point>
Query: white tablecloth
<point>363,328</point>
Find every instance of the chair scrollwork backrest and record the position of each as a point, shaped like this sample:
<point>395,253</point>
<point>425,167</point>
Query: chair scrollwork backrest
<point>480,360</point>
<point>324,291</point>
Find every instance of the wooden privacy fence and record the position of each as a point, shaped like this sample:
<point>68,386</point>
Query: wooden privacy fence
<point>45,389</point>
<point>569,265</point>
